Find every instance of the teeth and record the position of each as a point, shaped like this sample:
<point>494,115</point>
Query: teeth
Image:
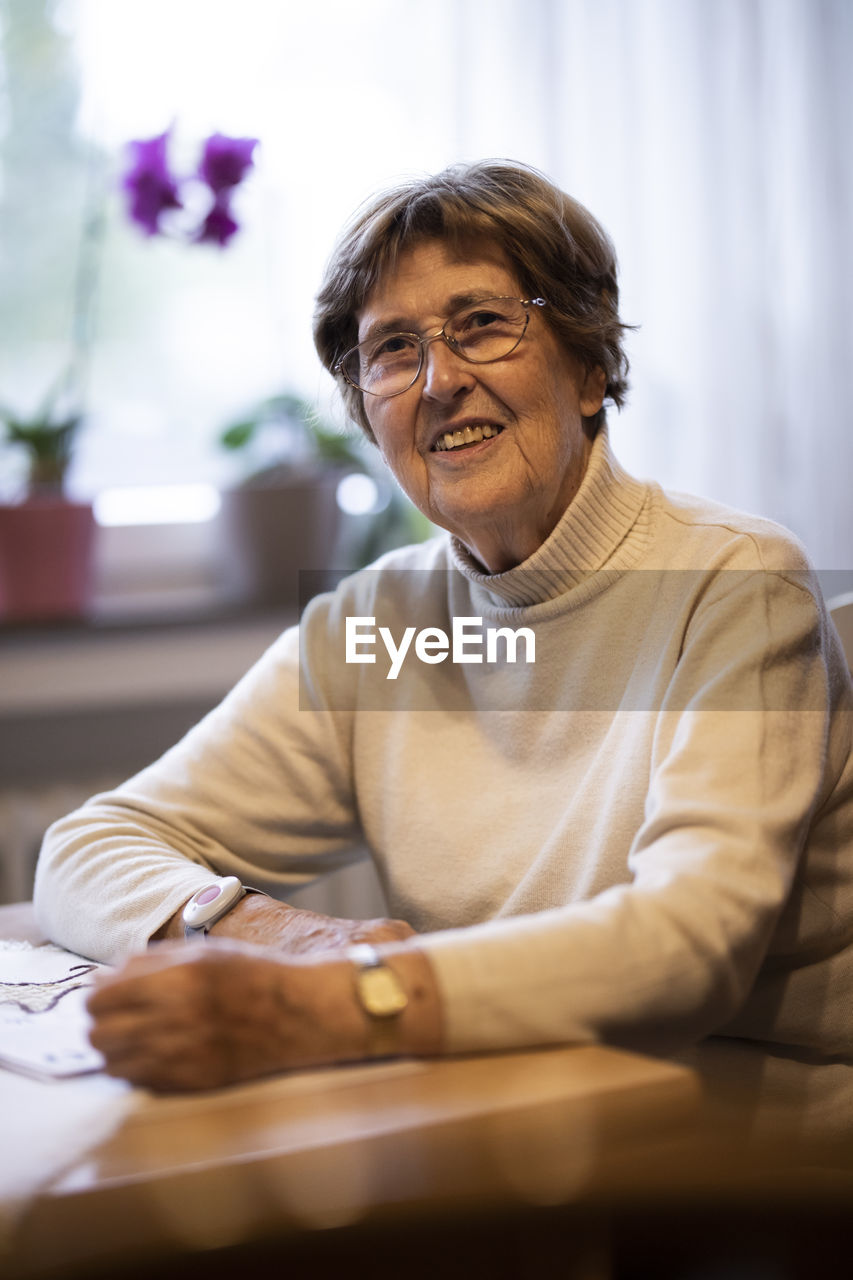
<point>467,435</point>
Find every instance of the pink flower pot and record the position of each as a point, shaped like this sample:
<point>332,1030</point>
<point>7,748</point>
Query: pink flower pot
<point>46,546</point>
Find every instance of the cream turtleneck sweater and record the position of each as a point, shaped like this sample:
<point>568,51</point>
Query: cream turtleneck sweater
<point>642,837</point>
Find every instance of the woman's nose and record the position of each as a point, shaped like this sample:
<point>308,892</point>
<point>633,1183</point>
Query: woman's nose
<point>445,372</point>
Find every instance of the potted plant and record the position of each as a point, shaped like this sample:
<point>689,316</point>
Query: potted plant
<point>46,540</point>
<point>283,515</point>
<point>311,498</point>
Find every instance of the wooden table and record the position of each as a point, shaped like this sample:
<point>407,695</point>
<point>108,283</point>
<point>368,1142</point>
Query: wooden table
<point>494,1165</point>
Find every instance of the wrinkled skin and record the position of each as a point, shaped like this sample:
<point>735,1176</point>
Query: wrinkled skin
<point>198,1017</point>
<point>293,930</point>
<point>268,991</point>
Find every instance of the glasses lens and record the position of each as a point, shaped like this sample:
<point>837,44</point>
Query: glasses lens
<point>480,332</point>
<point>487,330</point>
<point>383,366</point>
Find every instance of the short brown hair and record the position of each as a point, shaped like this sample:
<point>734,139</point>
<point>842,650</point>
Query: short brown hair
<point>555,245</point>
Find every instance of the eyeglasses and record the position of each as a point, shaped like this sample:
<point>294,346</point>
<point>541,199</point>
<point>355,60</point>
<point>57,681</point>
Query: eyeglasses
<point>389,363</point>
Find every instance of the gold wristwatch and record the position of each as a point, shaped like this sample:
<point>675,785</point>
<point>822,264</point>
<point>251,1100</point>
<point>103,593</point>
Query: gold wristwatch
<point>382,997</point>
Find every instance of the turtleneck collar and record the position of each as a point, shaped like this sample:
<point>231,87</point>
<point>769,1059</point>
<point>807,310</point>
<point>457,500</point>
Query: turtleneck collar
<point>601,528</point>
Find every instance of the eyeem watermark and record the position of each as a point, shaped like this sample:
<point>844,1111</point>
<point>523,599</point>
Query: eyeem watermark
<point>466,643</point>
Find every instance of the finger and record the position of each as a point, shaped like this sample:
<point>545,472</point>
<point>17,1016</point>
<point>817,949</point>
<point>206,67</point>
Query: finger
<point>141,1070</point>
<point>146,980</point>
<point>158,957</point>
<point>386,931</point>
<point>146,1053</point>
<point>116,1033</point>
<point>164,1070</point>
<point>116,995</point>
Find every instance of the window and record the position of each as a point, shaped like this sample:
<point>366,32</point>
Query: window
<point>709,139</point>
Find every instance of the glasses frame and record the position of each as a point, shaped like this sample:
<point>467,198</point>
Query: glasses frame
<point>423,343</point>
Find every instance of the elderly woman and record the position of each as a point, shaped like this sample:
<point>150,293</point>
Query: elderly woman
<point>596,737</point>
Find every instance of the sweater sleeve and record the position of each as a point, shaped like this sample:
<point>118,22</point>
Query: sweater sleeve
<point>261,788</point>
<point>750,740</point>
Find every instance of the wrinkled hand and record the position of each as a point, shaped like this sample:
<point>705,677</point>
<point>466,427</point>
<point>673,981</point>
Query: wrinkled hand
<point>292,930</point>
<point>200,1017</point>
<point>296,931</point>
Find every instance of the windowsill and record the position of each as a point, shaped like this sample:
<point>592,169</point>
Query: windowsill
<point>143,611</point>
<point>120,659</point>
<point>110,694</point>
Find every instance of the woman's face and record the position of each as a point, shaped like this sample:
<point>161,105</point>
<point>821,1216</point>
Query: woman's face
<point>503,495</point>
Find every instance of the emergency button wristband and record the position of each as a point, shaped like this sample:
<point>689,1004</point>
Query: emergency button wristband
<point>211,903</point>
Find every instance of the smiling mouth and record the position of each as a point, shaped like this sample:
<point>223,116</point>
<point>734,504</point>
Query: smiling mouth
<point>465,436</point>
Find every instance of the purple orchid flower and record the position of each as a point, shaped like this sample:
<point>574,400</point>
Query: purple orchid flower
<point>225,161</point>
<point>219,226</point>
<point>149,185</point>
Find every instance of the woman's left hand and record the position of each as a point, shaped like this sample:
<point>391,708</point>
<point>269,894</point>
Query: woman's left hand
<point>179,1018</point>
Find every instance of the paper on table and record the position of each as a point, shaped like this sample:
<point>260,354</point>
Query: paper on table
<point>43,1019</point>
<point>48,1123</point>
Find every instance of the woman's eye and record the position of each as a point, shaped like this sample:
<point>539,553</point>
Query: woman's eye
<point>482,319</point>
<point>482,324</point>
<point>395,345</point>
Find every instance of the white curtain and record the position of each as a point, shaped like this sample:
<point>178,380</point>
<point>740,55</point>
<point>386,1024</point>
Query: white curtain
<point>711,137</point>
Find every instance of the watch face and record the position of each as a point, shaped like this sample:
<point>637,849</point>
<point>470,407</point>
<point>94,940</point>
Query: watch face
<point>381,992</point>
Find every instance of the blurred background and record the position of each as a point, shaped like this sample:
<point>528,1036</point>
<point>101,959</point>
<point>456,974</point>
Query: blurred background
<point>710,137</point>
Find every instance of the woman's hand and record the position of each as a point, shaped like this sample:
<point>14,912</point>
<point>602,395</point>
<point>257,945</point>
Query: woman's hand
<point>292,930</point>
<point>296,931</point>
<point>179,1018</point>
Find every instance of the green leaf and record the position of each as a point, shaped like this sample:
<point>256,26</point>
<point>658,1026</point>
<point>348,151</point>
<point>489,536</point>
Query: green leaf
<point>238,435</point>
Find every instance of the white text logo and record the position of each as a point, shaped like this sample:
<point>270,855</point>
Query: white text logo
<point>466,643</point>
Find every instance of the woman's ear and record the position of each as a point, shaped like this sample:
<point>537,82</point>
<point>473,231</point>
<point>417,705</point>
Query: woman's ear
<point>592,391</point>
